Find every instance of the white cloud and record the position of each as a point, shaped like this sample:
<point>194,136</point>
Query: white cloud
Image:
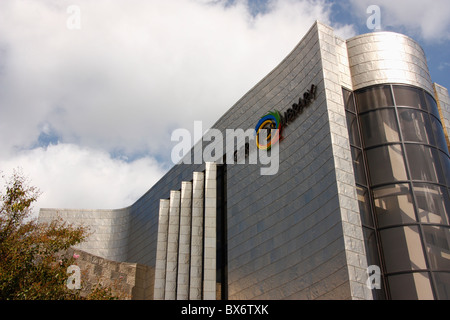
<point>70,176</point>
<point>443,65</point>
<point>134,72</point>
<point>428,19</point>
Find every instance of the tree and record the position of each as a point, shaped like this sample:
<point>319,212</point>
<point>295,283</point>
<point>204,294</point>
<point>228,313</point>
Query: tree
<point>32,260</point>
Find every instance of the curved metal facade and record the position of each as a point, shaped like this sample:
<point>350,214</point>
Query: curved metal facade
<point>387,57</point>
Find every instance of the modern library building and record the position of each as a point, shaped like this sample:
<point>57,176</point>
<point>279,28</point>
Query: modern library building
<point>354,203</point>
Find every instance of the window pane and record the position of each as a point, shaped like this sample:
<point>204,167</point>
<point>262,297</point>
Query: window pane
<point>364,206</point>
<point>386,164</point>
<point>379,126</point>
<point>348,100</point>
<point>370,243</point>
<point>416,126</point>
<point>394,205</point>
<point>358,166</point>
<point>432,106</point>
<point>373,98</point>
<point>441,142</point>
<point>424,163</point>
<point>410,286</point>
<point>437,241</point>
<point>371,247</point>
<point>445,163</point>
<point>402,249</point>
<point>443,285</point>
<point>410,97</point>
<point>353,129</point>
<point>432,202</point>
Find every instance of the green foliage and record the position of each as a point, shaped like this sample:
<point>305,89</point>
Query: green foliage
<point>32,261</point>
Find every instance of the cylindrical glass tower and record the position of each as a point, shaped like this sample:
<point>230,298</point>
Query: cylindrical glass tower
<point>401,165</point>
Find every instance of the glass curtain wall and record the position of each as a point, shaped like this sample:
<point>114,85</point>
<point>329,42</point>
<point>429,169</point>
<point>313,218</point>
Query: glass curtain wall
<point>401,164</point>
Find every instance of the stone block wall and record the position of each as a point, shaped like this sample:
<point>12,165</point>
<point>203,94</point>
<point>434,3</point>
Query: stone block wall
<point>129,281</point>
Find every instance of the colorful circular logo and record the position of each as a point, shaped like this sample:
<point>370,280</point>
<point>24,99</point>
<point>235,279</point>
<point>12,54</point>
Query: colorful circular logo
<point>271,121</point>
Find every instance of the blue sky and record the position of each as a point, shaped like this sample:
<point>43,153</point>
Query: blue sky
<point>87,112</point>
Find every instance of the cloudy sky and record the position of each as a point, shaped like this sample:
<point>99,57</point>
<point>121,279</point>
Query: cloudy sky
<point>90,91</point>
